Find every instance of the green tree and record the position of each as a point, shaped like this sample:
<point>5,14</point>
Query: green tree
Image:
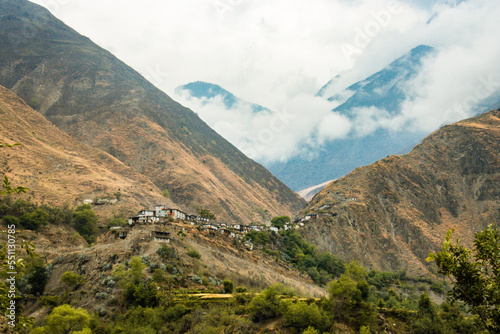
<point>35,219</point>
<point>475,274</point>
<point>427,321</point>
<point>228,286</point>
<point>310,330</point>
<point>137,290</point>
<point>280,221</point>
<point>266,305</point>
<point>72,280</point>
<point>300,316</point>
<point>194,254</point>
<point>65,320</point>
<point>206,213</point>
<point>426,307</point>
<point>343,293</point>
<point>349,295</point>
<point>85,222</point>
<point>116,221</point>
<point>166,252</point>
<point>364,330</point>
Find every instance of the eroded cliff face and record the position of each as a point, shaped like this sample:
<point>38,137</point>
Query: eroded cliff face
<point>391,214</point>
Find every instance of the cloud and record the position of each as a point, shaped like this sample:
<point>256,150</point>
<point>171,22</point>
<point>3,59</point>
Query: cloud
<point>294,128</point>
<point>279,53</point>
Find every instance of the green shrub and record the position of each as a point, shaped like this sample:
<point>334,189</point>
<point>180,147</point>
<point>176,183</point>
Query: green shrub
<point>71,279</point>
<point>11,220</point>
<point>194,254</point>
<point>101,295</point>
<point>166,252</point>
<point>84,222</point>
<point>266,305</point>
<point>36,278</point>
<point>116,221</point>
<point>228,286</point>
<point>438,287</point>
<point>35,219</point>
<point>50,300</point>
<point>109,282</point>
<point>300,316</point>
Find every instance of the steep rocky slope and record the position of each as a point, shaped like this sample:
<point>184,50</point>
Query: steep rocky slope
<point>391,214</point>
<point>58,169</point>
<point>97,99</point>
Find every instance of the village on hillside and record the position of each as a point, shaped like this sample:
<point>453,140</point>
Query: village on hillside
<point>160,222</point>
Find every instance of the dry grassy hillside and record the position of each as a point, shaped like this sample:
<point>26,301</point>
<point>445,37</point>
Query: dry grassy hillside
<point>391,214</point>
<point>58,169</point>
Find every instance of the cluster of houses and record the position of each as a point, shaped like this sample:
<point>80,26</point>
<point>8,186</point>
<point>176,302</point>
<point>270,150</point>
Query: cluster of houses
<point>161,215</point>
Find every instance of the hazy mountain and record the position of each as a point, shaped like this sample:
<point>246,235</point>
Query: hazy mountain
<point>391,214</point>
<point>100,101</point>
<point>207,93</point>
<point>384,91</point>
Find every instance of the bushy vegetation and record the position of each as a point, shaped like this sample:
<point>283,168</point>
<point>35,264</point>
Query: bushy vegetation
<point>194,254</point>
<point>475,273</point>
<point>32,216</point>
<point>290,247</point>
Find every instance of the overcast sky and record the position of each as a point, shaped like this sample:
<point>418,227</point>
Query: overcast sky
<point>279,53</point>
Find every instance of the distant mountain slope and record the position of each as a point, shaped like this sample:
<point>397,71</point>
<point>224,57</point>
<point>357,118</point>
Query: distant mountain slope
<point>90,94</point>
<point>383,90</point>
<point>309,193</point>
<point>391,214</point>
<point>58,169</point>
<point>207,93</point>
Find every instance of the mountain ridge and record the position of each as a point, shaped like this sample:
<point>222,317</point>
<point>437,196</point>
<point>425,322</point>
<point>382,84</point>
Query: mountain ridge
<point>99,100</point>
<point>391,214</point>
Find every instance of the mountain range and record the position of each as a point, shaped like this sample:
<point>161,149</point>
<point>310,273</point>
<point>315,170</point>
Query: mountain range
<point>364,102</point>
<point>101,102</point>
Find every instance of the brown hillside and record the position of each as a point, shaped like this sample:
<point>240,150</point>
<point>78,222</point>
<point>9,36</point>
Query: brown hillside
<point>391,214</point>
<point>58,169</point>
<point>100,101</point>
